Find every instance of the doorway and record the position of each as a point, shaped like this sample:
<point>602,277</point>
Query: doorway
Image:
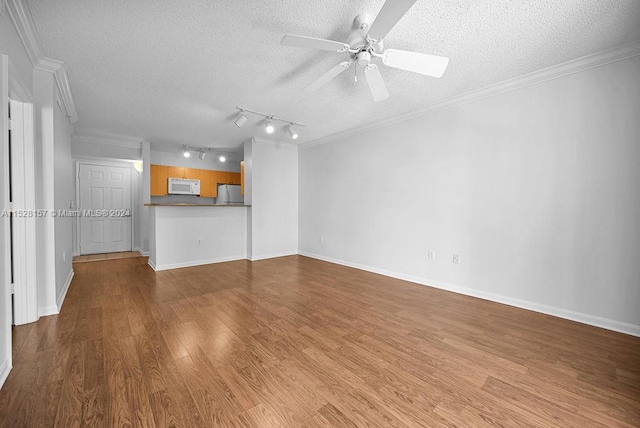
<point>104,209</point>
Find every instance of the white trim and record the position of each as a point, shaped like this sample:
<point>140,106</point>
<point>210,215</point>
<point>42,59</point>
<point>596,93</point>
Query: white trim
<point>157,267</point>
<point>282,144</point>
<point>6,367</point>
<point>24,228</point>
<point>23,23</point>
<point>108,139</point>
<point>605,57</point>
<point>609,324</point>
<point>45,311</point>
<point>63,292</point>
<point>273,256</point>
<point>142,253</point>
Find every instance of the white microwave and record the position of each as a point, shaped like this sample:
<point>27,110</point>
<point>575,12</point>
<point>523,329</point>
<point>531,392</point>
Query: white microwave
<point>182,186</point>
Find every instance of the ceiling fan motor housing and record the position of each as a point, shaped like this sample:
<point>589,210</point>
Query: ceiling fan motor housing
<point>358,37</point>
<point>363,58</point>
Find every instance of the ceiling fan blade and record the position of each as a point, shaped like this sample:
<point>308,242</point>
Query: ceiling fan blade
<point>326,77</point>
<point>429,65</point>
<point>392,11</point>
<point>376,84</point>
<point>312,42</point>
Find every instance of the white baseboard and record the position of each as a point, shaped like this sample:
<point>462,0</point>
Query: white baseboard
<point>167,266</point>
<point>609,324</point>
<point>144,253</point>
<point>63,292</point>
<point>152,263</point>
<point>5,369</point>
<point>272,256</point>
<point>44,311</point>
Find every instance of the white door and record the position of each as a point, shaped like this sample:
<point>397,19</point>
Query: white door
<point>105,209</point>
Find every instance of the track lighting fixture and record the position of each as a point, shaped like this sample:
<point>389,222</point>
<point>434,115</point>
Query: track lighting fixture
<point>201,155</point>
<point>240,119</point>
<point>185,152</point>
<point>269,127</point>
<point>222,158</point>
<point>292,131</point>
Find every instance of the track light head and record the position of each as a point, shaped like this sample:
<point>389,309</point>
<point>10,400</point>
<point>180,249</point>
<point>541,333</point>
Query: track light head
<point>185,152</point>
<point>292,131</point>
<point>222,158</point>
<point>268,126</point>
<point>241,119</point>
<point>201,155</point>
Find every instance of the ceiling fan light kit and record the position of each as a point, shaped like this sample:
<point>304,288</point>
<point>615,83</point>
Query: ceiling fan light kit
<point>364,43</point>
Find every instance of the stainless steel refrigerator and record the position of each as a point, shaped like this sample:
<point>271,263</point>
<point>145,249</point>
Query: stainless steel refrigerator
<point>229,194</point>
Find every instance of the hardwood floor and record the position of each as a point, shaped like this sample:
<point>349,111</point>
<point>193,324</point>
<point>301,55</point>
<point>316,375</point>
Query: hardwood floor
<point>298,342</point>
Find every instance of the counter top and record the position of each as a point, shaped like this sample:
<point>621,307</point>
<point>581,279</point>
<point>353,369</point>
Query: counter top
<point>195,205</point>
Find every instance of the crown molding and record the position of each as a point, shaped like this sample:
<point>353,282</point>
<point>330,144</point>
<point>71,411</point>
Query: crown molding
<point>584,63</point>
<point>23,23</point>
<point>109,140</point>
<point>275,143</point>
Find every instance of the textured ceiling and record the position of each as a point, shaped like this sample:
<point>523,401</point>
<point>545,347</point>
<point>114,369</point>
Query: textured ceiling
<point>173,72</point>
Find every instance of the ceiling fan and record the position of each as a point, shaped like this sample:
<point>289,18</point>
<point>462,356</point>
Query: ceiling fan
<point>366,42</point>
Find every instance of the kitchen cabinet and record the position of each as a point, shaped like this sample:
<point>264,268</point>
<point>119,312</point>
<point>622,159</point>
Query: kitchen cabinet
<point>180,172</point>
<point>208,183</point>
<point>235,178</point>
<point>158,180</point>
<point>242,178</point>
<point>224,177</point>
<point>209,179</point>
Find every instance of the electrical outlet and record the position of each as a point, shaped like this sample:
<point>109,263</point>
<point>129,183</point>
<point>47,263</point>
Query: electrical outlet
<point>456,259</point>
<point>321,238</point>
<point>432,255</point>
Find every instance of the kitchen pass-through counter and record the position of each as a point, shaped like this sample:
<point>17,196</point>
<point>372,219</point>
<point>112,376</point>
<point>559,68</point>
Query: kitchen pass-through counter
<point>184,235</point>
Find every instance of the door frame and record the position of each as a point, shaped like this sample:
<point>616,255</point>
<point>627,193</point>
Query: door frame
<point>25,294</point>
<point>23,183</point>
<point>119,164</point>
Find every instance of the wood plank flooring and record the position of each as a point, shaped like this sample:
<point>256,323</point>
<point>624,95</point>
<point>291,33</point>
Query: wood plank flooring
<point>296,342</point>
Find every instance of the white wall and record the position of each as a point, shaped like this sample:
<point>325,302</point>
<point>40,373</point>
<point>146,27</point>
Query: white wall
<point>535,189</point>
<point>11,45</point>
<point>64,198</point>
<point>5,277</point>
<point>190,236</point>
<point>84,150</point>
<point>44,92</point>
<point>272,180</point>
